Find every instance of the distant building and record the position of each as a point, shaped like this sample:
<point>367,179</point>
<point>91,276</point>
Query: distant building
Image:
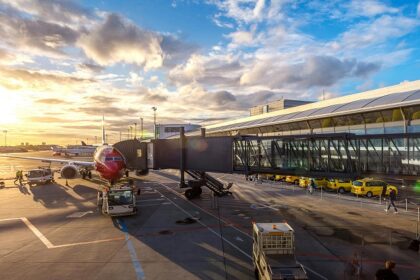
<point>164,131</point>
<point>276,106</point>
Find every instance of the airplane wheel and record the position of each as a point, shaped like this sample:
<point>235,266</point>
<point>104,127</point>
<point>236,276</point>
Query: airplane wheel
<point>197,191</point>
<point>369,194</point>
<point>341,190</point>
<point>190,194</point>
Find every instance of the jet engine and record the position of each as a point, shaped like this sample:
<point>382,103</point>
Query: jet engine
<point>69,172</point>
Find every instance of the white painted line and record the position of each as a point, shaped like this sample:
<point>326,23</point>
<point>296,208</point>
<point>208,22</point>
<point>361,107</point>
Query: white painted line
<point>45,240</point>
<point>205,211</point>
<point>88,242</point>
<point>314,272</point>
<point>79,214</point>
<point>210,229</point>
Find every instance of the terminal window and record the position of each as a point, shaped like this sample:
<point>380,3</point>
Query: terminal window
<point>172,129</point>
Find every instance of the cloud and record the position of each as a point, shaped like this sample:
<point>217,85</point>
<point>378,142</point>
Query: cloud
<point>314,71</point>
<point>16,79</point>
<point>108,111</point>
<point>51,101</point>
<point>176,50</point>
<point>118,40</point>
<point>365,34</point>
<point>102,100</point>
<point>244,10</point>
<point>90,67</point>
<point>223,70</point>
<point>369,8</point>
<point>36,35</point>
<point>418,9</point>
<point>49,119</point>
<point>63,12</point>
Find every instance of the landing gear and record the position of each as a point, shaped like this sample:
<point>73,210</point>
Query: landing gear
<point>89,174</point>
<point>193,193</point>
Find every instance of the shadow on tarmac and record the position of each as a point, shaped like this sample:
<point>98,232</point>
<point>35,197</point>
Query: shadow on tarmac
<point>190,246</point>
<point>57,196</point>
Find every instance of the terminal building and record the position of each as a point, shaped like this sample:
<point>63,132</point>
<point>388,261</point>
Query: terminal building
<point>276,106</point>
<point>393,109</point>
<point>164,131</point>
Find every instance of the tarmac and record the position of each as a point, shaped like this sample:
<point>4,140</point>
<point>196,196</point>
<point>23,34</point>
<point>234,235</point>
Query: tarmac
<point>55,231</point>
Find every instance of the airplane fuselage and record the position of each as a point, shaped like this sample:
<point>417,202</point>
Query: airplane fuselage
<point>109,163</point>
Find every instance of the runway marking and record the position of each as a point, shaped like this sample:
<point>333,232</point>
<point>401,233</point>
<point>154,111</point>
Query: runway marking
<point>79,214</point>
<point>210,229</point>
<point>45,240</point>
<point>132,251</point>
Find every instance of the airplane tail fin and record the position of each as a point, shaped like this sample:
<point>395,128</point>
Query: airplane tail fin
<point>103,131</point>
<point>83,143</point>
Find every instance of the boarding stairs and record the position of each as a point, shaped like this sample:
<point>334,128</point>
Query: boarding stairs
<point>204,179</point>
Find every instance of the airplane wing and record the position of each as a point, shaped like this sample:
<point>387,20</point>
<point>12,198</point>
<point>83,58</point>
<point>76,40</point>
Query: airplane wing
<point>54,160</point>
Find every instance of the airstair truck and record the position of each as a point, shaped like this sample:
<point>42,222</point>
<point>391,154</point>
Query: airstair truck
<point>274,252</point>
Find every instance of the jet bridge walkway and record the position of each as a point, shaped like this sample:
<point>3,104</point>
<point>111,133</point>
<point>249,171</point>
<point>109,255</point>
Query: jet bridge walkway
<point>319,155</point>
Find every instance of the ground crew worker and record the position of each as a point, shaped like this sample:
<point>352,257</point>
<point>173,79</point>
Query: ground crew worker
<point>19,177</point>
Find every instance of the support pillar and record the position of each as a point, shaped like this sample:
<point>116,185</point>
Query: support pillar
<point>182,157</point>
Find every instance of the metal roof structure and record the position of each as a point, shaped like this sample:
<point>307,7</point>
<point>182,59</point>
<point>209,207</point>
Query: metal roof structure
<point>402,95</point>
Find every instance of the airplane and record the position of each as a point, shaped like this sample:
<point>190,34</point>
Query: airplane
<point>107,161</point>
<point>76,150</point>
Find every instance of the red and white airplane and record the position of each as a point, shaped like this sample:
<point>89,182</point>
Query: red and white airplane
<point>107,161</point>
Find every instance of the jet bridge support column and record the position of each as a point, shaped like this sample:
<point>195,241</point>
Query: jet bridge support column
<point>182,157</point>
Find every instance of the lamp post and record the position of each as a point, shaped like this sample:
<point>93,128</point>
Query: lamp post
<point>5,137</point>
<point>135,130</point>
<point>141,128</point>
<point>154,120</point>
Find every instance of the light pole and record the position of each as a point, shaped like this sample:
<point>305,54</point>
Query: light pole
<point>129,132</point>
<point>154,120</point>
<point>5,137</point>
<point>135,130</point>
<point>141,128</point>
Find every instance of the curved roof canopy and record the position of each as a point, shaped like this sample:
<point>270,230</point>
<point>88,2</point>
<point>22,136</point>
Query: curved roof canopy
<point>405,94</point>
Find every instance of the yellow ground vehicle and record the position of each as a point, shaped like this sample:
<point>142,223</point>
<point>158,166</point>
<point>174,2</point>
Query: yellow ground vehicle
<point>279,177</point>
<point>292,179</point>
<point>340,185</point>
<point>319,182</point>
<point>273,252</point>
<point>371,187</point>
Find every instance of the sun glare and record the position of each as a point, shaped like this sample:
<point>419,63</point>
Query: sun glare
<point>9,107</point>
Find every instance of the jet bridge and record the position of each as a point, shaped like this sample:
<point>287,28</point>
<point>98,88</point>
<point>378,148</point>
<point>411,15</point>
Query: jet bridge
<point>319,155</point>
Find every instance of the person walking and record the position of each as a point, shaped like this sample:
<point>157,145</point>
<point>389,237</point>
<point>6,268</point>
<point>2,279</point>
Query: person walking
<point>392,198</point>
<point>20,177</point>
<point>387,273</point>
<point>311,186</point>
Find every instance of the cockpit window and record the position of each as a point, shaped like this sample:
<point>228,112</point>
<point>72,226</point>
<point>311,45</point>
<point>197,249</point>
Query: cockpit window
<point>110,158</point>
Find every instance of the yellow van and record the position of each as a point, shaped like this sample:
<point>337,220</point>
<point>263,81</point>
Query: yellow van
<point>371,187</point>
<point>292,179</point>
<point>340,185</point>
<point>319,182</point>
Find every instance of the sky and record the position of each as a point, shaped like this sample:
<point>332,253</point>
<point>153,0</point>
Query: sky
<point>64,64</point>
